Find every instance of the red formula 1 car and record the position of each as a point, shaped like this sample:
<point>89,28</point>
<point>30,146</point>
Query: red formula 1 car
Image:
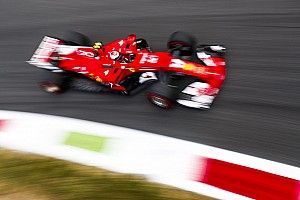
<point>187,73</point>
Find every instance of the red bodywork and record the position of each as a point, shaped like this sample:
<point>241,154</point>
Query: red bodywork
<point>108,71</point>
<point>99,66</point>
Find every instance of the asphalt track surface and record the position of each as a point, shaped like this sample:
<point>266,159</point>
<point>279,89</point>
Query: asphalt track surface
<point>257,112</point>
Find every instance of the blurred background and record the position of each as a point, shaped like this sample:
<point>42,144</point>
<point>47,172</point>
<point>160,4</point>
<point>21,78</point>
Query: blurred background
<point>258,110</point>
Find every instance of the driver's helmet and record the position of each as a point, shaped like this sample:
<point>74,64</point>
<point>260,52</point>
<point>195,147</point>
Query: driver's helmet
<point>131,38</point>
<point>115,55</point>
<point>97,45</point>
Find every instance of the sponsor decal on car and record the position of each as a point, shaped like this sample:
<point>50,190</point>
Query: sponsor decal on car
<point>91,75</point>
<point>131,69</point>
<point>194,68</point>
<point>146,58</point>
<point>177,63</point>
<point>98,79</point>
<point>86,53</point>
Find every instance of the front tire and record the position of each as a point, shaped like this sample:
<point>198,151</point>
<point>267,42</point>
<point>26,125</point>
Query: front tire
<point>162,95</point>
<point>159,100</point>
<point>181,39</point>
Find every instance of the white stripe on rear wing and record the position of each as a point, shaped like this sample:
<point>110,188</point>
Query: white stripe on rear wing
<point>41,56</point>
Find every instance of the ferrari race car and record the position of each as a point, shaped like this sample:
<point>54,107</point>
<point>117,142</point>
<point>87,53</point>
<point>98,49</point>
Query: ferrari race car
<point>188,73</point>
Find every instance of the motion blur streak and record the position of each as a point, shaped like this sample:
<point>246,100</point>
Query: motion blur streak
<point>257,112</point>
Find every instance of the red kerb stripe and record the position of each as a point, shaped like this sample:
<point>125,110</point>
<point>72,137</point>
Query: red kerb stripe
<point>2,124</point>
<point>249,182</point>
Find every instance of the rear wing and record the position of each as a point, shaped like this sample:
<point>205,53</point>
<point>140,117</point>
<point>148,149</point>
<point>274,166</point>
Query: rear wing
<point>41,57</point>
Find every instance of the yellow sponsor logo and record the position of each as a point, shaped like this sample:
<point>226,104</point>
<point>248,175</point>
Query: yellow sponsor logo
<point>188,67</point>
<point>194,68</point>
<point>131,69</point>
<point>98,79</point>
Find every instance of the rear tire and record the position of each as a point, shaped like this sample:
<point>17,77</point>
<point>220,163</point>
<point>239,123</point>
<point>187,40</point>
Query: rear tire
<point>87,85</point>
<point>55,83</point>
<point>76,39</point>
<point>50,87</point>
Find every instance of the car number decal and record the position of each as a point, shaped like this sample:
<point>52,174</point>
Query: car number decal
<point>146,58</point>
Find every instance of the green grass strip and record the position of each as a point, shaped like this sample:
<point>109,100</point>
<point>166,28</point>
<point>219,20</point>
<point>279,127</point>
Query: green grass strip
<point>86,141</point>
<point>50,178</point>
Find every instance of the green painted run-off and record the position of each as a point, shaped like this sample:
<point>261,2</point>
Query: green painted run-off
<point>86,141</point>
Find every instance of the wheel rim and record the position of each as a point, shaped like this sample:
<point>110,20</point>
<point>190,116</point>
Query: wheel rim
<point>159,101</point>
<point>50,87</point>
